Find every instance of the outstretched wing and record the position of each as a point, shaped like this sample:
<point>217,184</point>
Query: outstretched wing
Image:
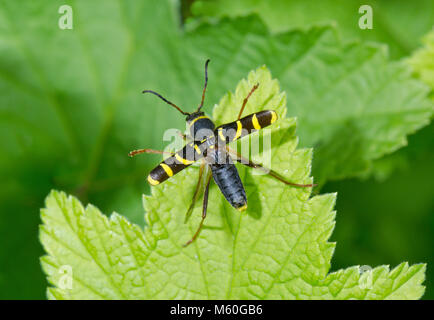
<point>253,122</point>
<point>176,163</point>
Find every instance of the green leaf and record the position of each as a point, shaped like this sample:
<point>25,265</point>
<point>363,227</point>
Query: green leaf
<point>421,145</point>
<point>71,108</point>
<point>394,22</point>
<point>350,102</point>
<point>277,249</point>
<point>423,60</point>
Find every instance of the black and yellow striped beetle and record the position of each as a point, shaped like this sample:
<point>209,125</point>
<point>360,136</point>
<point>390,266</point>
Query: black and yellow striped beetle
<point>210,145</point>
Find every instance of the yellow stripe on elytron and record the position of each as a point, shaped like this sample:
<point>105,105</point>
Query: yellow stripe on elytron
<point>201,117</point>
<point>273,117</point>
<point>167,169</point>
<point>197,149</point>
<point>152,181</point>
<point>221,135</point>
<point>243,208</point>
<point>239,129</point>
<point>255,122</point>
<point>182,160</point>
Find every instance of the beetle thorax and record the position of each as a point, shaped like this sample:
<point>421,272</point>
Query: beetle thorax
<point>200,126</point>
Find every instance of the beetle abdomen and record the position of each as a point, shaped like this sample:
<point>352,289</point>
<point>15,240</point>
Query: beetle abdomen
<point>228,180</point>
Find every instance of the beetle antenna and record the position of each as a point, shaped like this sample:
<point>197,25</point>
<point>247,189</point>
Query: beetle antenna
<point>167,101</point>
<point>204,87</point>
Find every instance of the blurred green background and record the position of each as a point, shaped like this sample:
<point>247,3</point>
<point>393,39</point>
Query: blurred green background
<point>71,110</point>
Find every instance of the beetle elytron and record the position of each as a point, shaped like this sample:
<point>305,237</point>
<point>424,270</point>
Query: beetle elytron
<point>210,146</point>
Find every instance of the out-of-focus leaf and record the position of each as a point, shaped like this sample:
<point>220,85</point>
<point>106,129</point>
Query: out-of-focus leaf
<point>394,24</point>
<point>423,60</point>
<point>350,102</point>
<point>421,145</point>
<point>398,23</point>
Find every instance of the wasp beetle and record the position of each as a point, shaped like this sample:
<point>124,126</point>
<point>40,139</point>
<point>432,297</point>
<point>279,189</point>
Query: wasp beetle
<point>209,144</point>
